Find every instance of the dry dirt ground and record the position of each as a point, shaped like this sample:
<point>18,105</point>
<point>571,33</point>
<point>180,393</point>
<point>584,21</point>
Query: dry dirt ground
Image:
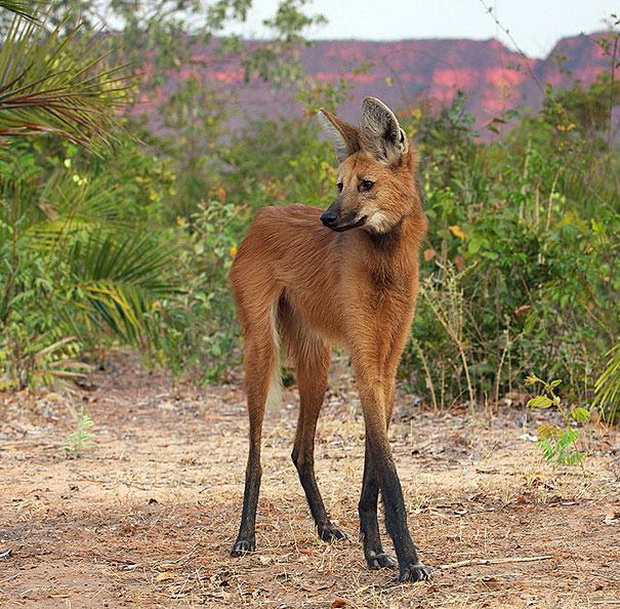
<point>146,516</point>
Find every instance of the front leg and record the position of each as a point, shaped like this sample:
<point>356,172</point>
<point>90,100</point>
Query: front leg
<point>410,567</point>
<point>378,449</point>
<point>376,558</point>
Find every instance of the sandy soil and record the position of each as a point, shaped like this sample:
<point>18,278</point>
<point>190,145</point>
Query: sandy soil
<point>146,515</point>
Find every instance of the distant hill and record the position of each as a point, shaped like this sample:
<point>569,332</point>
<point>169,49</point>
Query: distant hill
<point>493,77</point>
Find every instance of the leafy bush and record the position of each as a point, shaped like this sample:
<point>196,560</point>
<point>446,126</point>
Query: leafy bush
<point>520,260</point>
<point>78,268</point>
<point>199,324</point>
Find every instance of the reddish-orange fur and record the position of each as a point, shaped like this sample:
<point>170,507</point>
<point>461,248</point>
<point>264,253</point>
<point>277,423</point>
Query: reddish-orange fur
<point>297,281</point>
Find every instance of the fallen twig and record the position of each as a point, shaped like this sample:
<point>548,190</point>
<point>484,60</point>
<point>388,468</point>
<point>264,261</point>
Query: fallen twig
<point>492,561</point>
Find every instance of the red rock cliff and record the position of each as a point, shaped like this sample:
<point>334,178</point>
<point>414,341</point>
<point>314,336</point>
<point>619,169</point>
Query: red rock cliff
<point>493,77</point>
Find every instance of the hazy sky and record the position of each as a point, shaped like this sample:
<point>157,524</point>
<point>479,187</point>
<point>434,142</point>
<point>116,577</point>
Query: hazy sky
<point>534,24</point>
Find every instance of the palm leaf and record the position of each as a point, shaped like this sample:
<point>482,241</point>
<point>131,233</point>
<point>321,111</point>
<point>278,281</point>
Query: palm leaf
<point>607,386</point>
<point>122,282</point>
<point>54,214</point>
<point>53,235</point>
<point>96,198</point>
<point>122,307</point>
<point>49,84</point>
<point>133,260</point>
<point>28,9</point>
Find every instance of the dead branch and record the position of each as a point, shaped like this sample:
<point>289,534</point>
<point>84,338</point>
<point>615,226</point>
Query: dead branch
<point>492,561</point>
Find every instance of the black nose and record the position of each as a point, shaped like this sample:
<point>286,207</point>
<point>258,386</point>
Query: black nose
<point>329,218</point>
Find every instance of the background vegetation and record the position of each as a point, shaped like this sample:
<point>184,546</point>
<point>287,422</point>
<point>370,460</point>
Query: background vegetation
<point>112,236</point>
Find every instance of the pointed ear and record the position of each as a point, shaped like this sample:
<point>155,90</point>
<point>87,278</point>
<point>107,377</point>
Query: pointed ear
<point>380,133</point>
<point>345,137</point>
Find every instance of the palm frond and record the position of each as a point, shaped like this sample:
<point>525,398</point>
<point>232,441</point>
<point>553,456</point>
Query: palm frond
<point>121,283</point>
<point>63,208</point>
<point>607,386</point>
<point>138,261</point>
<point>49,84</point>
<point>44,360</point>
<point>28,9</point>
<point>122,307</point>
<point>58,233</point>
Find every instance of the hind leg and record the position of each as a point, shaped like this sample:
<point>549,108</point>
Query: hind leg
<point>312,358</point>
<point>260,354</point>
<point>312,380</point>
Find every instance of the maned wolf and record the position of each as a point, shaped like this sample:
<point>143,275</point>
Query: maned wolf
<point>346,276</point>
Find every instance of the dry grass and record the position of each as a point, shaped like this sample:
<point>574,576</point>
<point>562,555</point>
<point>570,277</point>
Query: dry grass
<point>146,516</point>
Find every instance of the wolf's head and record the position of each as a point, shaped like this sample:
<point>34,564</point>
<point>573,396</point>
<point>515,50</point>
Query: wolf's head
<point>375,178</point>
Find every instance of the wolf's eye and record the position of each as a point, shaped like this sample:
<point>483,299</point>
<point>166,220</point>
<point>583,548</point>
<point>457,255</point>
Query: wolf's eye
<point>366,185</point>
<point>339,186</point>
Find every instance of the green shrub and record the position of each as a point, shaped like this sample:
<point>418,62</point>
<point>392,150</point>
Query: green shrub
<point>520,259</point>
<point>78,269</point>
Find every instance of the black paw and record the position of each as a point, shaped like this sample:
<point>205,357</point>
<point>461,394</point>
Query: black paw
<point>415,573</point>
<point>330,533</point>
<point>379,560</point>
<point>243,546</point>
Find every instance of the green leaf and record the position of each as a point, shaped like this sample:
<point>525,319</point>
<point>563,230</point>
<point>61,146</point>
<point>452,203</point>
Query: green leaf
<point>575,458</point>
<point>548,450</point>
<point>568,437</point>
<point>546,431</point>
<point>540,401</point>
<point>581,415</point>
<point>474,244</point>
<point>607,386</point>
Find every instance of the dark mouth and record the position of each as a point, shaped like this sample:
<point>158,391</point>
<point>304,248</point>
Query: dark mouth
<point>340,229</point>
